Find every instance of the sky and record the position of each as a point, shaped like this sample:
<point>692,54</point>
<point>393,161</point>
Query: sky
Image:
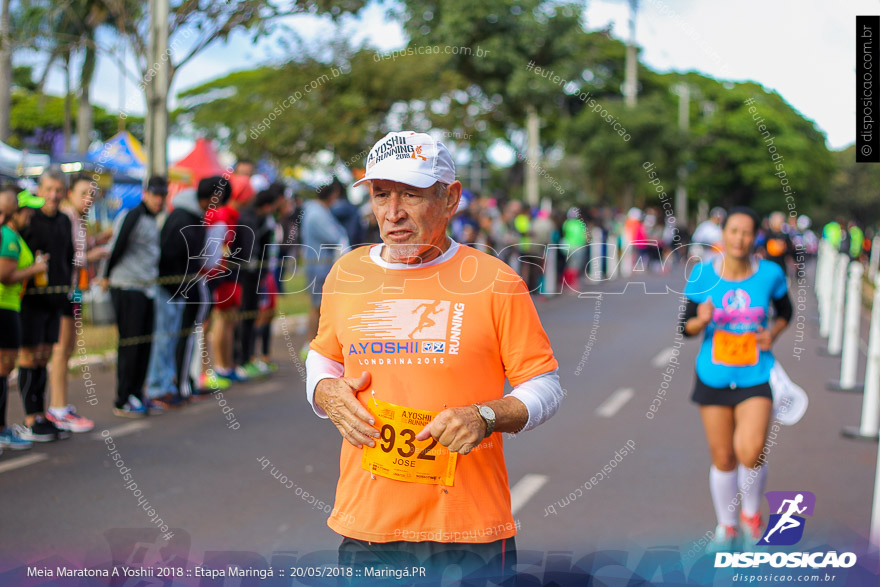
<point>803,49</point>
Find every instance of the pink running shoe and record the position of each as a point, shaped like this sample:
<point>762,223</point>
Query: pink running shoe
<point>70,421</point>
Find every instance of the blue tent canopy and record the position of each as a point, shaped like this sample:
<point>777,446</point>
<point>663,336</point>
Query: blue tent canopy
<point>122,154</point>
<point>121,197</point>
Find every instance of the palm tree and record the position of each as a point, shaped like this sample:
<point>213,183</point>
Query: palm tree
<point>5,70</point>
<point>70,28</point>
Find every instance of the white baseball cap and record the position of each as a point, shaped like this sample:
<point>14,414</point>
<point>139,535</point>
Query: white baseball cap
<point>409,157</point>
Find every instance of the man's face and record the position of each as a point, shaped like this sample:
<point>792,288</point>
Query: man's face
<point>53,191</point>
<point>154,202</point>
<point>412,220</point>
<point>81,196</point>
<point>245,169</point>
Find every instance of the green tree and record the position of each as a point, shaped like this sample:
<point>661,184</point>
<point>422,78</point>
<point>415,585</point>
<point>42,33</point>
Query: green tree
<point>539,54</point>
<point>855,190</point>
<point>739,163</point>
<point>197,24</point>
<point>23,78</point>
<point>40,118</point>
<point>295,111</point>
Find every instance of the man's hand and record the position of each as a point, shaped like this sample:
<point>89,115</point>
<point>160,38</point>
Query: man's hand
<point>104,283</point>
<point>458,429</point>
<point>338,398</point>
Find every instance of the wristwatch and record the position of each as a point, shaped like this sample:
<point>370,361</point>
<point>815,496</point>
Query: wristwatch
<point>488,416</point>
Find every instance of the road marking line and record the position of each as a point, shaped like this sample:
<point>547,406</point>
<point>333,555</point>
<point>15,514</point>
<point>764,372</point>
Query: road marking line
<point>23,461</point>
<point>524,489</point>
<point>662,358</point>
<point>122,430</point>
<point>616,401</point>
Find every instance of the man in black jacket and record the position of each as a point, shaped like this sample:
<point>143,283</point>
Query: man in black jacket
<point>180,242</point>
<point>192,292</point>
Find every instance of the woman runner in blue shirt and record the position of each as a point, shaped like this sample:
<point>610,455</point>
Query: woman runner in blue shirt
<point>729,301</point>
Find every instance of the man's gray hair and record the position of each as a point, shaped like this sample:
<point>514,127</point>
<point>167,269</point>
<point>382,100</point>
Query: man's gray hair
<point>54,172</point>
<point>440,189</point>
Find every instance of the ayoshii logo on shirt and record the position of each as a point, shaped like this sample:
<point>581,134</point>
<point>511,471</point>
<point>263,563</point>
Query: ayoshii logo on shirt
<point>407,326</point>
<point>736,310</point>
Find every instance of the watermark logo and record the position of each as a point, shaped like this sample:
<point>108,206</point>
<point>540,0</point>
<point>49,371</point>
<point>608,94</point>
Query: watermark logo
<point>786,526</point>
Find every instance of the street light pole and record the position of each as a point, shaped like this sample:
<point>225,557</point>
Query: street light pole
<point>533,154</point>
<point>681,203</point>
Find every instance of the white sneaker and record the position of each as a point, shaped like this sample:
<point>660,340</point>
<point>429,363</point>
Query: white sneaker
<point>9,438</point>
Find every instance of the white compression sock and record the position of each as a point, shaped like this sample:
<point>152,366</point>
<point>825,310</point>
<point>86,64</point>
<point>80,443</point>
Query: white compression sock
<point>752,483</point>
<point>724,488</point>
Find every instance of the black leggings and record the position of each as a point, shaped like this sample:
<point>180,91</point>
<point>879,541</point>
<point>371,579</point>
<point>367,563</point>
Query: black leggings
<point>134,319</point>
<point>250,303</point>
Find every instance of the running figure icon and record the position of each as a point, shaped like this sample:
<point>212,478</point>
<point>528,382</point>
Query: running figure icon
<point>425,319</point>
<point>786,521</point>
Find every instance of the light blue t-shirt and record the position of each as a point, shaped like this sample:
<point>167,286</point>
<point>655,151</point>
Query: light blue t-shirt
<point>740,307</point>
<point>323,237</point>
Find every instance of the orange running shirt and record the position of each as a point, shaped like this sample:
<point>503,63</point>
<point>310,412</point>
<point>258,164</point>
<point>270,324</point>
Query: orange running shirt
<point>446,334</point>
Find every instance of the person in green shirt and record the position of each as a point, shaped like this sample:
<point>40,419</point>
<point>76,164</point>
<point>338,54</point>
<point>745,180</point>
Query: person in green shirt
<point>856,240</point>
<point>832,232</point>
<point>574,235</point>
<point>17,266</point>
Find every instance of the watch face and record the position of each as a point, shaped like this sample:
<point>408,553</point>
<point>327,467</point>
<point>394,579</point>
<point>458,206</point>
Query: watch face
<point>487,412</point>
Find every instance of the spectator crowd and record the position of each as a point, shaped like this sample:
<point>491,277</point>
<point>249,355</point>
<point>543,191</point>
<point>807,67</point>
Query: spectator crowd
<point>205,271</point>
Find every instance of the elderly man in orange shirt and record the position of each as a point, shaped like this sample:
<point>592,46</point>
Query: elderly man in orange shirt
<point>416,338</point>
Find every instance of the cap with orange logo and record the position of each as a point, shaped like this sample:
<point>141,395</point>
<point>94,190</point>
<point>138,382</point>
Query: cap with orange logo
<point>412,158</point>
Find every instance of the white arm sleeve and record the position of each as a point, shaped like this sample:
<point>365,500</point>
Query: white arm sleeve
<point>319,367</point>
<point>541,395</point>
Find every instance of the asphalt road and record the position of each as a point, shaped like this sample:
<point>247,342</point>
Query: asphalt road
<point>66,501</point>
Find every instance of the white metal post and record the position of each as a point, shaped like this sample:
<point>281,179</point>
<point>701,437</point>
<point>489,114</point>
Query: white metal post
<point>838,294</point>
<point>849,359</point>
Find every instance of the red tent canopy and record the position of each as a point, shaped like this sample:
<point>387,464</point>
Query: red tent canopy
<point>200,163</point>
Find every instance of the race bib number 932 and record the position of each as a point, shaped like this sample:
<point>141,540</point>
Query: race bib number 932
<point>398,455</point>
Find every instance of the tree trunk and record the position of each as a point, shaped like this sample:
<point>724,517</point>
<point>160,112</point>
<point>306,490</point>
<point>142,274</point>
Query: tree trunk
<point>68,103</point>
<point>628,198</point>
<point>84,121</point>
<point>157,90</point>
<point>5,72</point>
